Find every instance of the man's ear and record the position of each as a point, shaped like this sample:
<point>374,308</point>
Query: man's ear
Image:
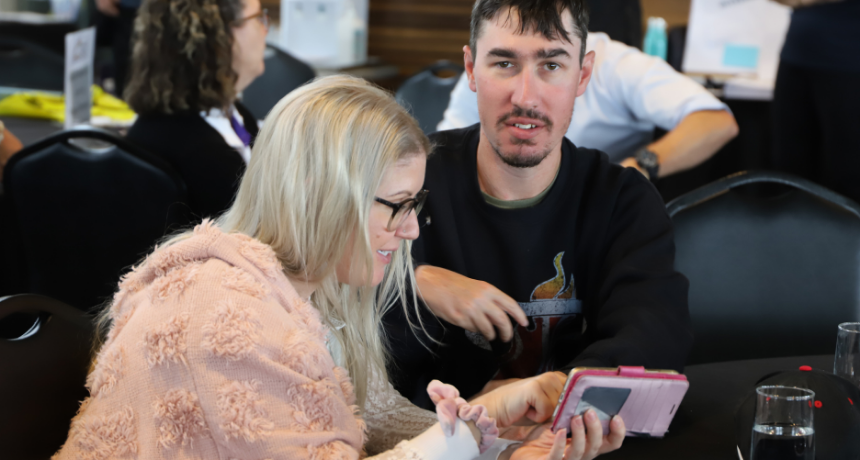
<point>585,73</point>
<point>469,63</point>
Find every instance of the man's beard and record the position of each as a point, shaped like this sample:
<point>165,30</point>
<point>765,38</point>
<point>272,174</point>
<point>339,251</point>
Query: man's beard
<point>520,161</point>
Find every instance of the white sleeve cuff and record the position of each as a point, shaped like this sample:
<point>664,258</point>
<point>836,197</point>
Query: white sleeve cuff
<point>434,445</point>
<point>497,448</point>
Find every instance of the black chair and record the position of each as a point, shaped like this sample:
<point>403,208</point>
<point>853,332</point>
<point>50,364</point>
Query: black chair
<point>45,348</point>
<point>676,43</point>
<point>283,74</point>
<point>770,274</point>
<point>84,215</point>
<point>426,94</point>
<point>28,65</point>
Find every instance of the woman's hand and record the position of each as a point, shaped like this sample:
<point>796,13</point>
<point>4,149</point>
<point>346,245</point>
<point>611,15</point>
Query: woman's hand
<point>526,401</point>
<point>586,442</point>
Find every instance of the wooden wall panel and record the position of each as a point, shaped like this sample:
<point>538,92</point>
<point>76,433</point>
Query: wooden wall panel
<point>413,34</point>
<point>675,12</point>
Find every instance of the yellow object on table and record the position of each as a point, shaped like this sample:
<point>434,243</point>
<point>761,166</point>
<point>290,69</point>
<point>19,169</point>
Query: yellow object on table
<point>53,107</point>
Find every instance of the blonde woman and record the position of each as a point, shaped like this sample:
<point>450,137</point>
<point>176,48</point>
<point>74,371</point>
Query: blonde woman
<point>257,336</point>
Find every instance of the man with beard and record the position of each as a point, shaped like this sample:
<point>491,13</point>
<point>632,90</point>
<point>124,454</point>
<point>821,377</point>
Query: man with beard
<point>521,224</point>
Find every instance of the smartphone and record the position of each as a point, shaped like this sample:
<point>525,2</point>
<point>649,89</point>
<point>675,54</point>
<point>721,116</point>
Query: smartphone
<point>647,400</point>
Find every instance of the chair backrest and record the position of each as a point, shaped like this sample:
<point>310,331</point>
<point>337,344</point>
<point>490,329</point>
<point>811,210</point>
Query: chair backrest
<point>28,65</point>
<point>769,275</point>
<point>283,74</point>
<point>676,43</point>
<point>84,216</point>
<point>45,348</point>
<point>426,95</point>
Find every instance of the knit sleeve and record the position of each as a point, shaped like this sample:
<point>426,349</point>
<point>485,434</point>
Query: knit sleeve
<point>390,417</point>
<point>269,388</point>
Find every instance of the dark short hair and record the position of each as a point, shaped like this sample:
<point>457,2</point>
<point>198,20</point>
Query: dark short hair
<point>183,56</point>
<point>542,16</point>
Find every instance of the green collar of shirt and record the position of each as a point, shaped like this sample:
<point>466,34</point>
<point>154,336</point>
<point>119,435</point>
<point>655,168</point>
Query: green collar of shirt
<point>519,204</point>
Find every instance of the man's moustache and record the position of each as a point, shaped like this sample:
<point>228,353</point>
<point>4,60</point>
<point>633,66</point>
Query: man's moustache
<point>533,114</point>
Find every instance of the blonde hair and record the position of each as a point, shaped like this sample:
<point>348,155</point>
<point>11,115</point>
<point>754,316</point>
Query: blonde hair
<point>307,192</point>
<point>314,171</point>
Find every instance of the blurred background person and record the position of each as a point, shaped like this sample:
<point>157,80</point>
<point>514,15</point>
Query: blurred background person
<point>620,19</point>
<point>191,58</point>
<point>123,13</point>
<point>815,116</point>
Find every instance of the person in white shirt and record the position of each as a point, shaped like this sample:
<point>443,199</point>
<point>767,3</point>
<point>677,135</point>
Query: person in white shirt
<point>630,94</point>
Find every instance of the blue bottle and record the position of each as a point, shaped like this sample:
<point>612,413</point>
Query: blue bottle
<point>656,40</point>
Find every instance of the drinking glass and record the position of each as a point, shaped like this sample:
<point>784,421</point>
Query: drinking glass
<point>847,362</point>
<point>783,427</point>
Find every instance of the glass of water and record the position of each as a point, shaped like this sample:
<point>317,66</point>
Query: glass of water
<point>783,427</point>
<point>847,362</point>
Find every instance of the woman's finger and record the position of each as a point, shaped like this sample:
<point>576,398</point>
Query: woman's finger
<point>558,443</point>
<point>577,435</point>
<point>593,433</point>
<point>617,431</point>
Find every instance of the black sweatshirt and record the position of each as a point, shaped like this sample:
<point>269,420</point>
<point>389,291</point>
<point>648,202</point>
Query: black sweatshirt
<point>592,265</point>
<point>210,168</point>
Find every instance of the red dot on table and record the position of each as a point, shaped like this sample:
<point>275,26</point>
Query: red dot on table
<point>852,402</point>
<point>818,404</point>
<point>805,368</point>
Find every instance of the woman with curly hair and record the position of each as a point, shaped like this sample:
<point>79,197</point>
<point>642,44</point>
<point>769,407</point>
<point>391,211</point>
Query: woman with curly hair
<point>190,60</point>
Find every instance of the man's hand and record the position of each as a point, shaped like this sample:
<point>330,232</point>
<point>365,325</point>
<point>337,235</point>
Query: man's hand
<point>473,305</point>
<point>108,7</point>
<point>586,441</point>
<point>524,402</point>
<point>632,163</point>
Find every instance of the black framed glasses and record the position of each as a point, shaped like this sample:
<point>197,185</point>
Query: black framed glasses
<point>263,16</point>
<point>400,211</point>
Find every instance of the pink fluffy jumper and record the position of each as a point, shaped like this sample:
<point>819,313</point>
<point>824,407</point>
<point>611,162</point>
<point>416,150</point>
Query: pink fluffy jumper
<point>212,355</point>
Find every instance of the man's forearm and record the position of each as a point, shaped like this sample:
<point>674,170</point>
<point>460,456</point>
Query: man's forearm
<point>696,138</point>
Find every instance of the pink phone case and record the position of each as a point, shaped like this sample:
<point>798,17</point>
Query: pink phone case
<point>654,397</point>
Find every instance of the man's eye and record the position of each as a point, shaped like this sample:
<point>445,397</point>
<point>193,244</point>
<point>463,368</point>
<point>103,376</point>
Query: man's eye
<point>504,64</point>
<point>552,66</point>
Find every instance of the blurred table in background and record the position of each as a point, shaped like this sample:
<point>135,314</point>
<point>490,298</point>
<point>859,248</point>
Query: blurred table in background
<point>31,130</point>
<point>41,29</point>
<point>704,427</point>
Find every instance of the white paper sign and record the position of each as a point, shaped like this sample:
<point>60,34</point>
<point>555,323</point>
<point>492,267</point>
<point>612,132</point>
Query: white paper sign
<point>80,51</point>
<point>735,37</point>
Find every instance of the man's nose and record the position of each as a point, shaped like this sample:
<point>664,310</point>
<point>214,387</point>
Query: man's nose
<point>526,91</point>
<point>409,230</point>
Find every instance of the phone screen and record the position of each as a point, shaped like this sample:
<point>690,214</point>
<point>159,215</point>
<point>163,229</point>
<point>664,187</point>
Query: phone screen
<point>606,402</point>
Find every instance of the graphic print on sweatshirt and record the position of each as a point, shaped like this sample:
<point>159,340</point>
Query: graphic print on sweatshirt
<point>551,303</point>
